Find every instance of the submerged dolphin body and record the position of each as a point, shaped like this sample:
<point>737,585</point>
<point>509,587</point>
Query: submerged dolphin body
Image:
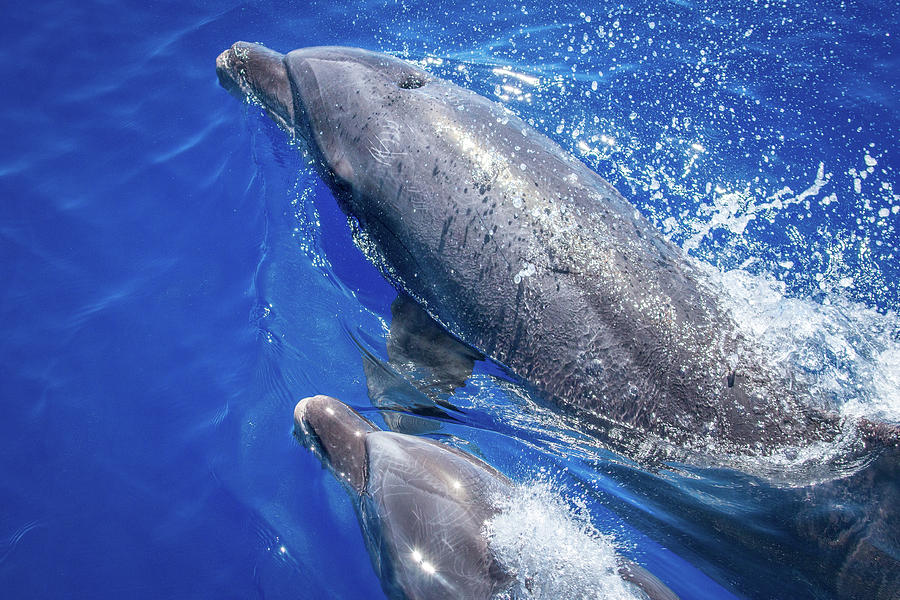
<point>522,252</point>
<point>423,506</point>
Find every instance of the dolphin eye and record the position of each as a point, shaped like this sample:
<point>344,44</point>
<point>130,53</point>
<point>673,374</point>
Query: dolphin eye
<point>411,81</point>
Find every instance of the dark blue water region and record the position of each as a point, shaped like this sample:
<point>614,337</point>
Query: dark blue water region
<point>162,316</point>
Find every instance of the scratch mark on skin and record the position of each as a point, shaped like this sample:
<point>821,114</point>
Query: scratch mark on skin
<point>383,147</point>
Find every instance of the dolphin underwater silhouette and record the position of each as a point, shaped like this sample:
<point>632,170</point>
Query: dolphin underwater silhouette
<point>422,506</point>
<point>523,253</point>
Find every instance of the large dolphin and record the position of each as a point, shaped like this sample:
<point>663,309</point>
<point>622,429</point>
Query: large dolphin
<point>423,506</point>
<point>524,253</point>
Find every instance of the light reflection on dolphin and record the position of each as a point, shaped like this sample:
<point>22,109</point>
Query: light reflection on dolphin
<point>422,505</point>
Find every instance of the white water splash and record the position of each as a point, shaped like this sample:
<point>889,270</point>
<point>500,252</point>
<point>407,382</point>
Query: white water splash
<point>733,210</point>
<point>847,353</point>
<point>552,549</point>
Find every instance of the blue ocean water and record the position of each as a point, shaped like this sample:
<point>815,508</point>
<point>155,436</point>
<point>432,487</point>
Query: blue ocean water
<point>175,278</point>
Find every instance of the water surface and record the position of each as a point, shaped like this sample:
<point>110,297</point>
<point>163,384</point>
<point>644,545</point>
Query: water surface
<point>175,279</point>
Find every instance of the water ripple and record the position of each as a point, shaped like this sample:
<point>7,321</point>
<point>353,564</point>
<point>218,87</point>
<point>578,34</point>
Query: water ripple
<point>9,544</point>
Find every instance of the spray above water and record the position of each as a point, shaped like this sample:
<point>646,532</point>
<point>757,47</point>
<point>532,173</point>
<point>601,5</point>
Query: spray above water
<point>552,548</point>
<point>848,354</point>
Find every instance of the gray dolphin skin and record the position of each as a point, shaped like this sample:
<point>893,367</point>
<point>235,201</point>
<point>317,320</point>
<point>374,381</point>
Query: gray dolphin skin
<point>524,253</point>
<point>422,506</point>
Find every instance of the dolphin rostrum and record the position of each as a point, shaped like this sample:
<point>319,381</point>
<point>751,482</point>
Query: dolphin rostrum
<point>523,253</point>
<point>423,506</point>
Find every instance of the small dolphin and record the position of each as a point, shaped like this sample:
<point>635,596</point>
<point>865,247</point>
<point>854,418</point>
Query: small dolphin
<point>523,253</point>
<point>422,506</point>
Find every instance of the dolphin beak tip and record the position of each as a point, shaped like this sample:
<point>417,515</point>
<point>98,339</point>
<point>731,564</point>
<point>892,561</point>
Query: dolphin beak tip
<point>226,72</point>
<point>300,412</point>
<point>303,407</point>
<point>222,61</point>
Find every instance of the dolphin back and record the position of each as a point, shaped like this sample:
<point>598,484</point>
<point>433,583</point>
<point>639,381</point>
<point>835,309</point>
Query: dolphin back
<point>423,514</point>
